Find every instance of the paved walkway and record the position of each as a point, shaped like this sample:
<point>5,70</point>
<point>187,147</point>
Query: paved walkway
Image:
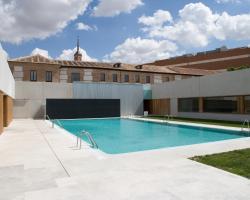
<point>38,162</point>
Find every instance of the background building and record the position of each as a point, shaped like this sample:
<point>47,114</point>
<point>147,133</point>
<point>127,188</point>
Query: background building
<point>218,59</point>
<point>42,69</point>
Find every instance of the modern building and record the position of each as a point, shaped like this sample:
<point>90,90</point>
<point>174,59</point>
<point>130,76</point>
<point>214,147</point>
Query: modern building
<point>174,89</point>
<point>7,92</point>
<point>218,59</point>
<point>222,96</point>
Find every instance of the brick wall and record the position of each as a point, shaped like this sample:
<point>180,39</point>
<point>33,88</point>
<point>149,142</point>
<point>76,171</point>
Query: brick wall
<point>215,65</point>
<point>21,72</point>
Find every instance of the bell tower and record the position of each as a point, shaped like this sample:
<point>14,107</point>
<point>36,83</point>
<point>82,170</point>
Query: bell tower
<point>78,55</point>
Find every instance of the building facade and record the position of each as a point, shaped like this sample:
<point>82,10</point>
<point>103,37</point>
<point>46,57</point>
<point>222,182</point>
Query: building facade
<point>40,69</point>
<point>7,92</point>
<point>222,96</point>
<point>218,59</point>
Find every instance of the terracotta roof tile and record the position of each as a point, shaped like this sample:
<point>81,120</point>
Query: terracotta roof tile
<point>145,68</point>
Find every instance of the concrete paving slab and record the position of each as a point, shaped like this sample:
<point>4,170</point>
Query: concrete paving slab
<point>37,162</point>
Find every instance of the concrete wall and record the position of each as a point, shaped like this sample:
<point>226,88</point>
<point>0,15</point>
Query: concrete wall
<point>7,91</point>
<point>7,83</point>
<point>223,84</point>
<point>31,97</point>
<point>131,95</point>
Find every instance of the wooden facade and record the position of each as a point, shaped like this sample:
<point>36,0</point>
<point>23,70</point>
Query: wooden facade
<point>6,111</point>
<point>1,112</point>
<point>157,106</point>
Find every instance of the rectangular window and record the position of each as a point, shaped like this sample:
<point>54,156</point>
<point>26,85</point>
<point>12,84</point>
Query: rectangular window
<point>137,78</point>
<point>114,77</point>
<point>165,79</point>
<point>75,77</point>
<point>102,77</point>
<point>33,75</point>
<point>147,79</point>
<point>126,78</point>
<point>48,76</point>
<point>247,104</point>
<point>221,104</point>
<point>188,105</point>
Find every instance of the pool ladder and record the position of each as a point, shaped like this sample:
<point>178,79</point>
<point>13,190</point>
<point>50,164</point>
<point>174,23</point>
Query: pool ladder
<point>90,138</point>
<point>169,117</point>
<point>53,121</point>
<point>246,122</point>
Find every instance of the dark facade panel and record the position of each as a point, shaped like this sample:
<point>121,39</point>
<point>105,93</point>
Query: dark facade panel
<point>82,108</point>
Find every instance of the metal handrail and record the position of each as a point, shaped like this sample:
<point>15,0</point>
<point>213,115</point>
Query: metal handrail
<point>90,138</point>
<point>169,117</point>
<point>246,121</point>
<point>52,121</point>
<point>47,116</point>
<point>59,123</point>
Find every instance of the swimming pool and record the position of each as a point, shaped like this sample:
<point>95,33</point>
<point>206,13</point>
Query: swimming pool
<point>118,135</point>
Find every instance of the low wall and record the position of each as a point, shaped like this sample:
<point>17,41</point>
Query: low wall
<point>130,95</point>
<point>31,97</point>
<point>221,84</point>
<point>234,83</point>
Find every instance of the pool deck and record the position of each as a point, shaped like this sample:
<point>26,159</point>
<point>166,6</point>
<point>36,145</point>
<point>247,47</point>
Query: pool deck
<point>38,162</point>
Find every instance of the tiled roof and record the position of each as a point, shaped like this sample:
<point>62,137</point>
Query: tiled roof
<point>128,67</point>
<point>193,71</point>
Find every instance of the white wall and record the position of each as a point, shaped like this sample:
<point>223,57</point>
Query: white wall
<point>31,97</point>
<point>7,83</point>
<point>221,84</point>
<point>131,95</point>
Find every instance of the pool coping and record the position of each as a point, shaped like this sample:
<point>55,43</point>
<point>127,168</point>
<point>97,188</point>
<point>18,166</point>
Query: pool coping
<point>176,149</point>
<point>194,124</point>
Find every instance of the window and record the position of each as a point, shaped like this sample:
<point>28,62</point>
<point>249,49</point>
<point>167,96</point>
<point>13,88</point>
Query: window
<point>114,77</point>
<point>33,75</point>
<point>166,79</point>
<point>247,104</point>
<point>75,77</point>
<point>188,105</point>
<point>147,79</point>
<point>137,78</point>
<point>221,104</point>
<point>48,76</point>
<point>126,78</point>
<point>102,77</point>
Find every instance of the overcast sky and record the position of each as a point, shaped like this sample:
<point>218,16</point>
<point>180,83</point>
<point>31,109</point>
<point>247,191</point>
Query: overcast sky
<point>131,31</point>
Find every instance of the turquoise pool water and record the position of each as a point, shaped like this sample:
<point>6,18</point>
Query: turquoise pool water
<point>116,136</point>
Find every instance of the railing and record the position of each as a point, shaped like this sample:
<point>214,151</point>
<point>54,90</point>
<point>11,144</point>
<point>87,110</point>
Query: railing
<point>53,121</point>
<point>90,138</point>
<point>169,117</point>
<point>246,122</point>
<point>58,122</point>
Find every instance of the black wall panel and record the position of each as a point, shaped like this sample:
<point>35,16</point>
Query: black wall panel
<point>82,108</point>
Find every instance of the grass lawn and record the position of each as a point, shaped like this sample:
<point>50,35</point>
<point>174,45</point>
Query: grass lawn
<point>237,162</point>
<point>202,121</point>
